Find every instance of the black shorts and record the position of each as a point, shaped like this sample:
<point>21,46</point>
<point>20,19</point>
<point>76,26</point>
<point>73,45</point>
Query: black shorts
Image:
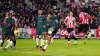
<point>83,28</point>
<point>70,30</point>
<point>13,33</point>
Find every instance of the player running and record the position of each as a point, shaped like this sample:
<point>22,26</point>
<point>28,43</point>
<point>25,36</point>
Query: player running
<point>40,21</point>
<point>84,23</point>
<point>70,23</point>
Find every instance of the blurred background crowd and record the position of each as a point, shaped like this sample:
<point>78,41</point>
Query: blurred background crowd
<point>25,11</point>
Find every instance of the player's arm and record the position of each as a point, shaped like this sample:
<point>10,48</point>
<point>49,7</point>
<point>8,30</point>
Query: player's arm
<point>2,21</point>
<point>44,22</point>
<point>89,16</point>
<point>65,21</point>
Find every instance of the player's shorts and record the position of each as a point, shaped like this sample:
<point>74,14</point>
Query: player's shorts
<point>45,33</point>
<point>70,30</point>
<point>7,33</point>
<point>39,31</point>
<point>83,28</point>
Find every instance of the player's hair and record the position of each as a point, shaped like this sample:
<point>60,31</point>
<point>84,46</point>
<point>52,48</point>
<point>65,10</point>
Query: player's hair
<point>50,13</point>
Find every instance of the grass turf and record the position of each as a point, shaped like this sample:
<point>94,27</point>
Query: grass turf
<point>27,47</point>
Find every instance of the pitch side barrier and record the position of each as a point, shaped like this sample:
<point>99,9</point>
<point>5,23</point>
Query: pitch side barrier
<point>61,34</point>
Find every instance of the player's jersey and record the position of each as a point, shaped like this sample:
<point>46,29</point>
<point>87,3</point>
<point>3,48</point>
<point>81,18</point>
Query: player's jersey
<point>47,26</point>
<point>84,18</point>
<point>10,22</point>
<point>54,24</point>
<point>40,21</point>
<point>70,21</point>
<point>2,21</point>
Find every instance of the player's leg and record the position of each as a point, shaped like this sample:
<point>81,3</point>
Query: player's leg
<point>14,40</point>
<point>41,40</point>
<point>45,38</point>
<point>37,37</point>
<point>14,43</point>
<point>52,40</point>
<point>68,30</point>
<point>2,41</point>
<point>41,37</point>
<point>3,38</point>
<point>9,36</point>
<point>85,31</point>
<point>72,35</point>
<point>75,39</point>
<point>49,40</point>
<point>37,41</point>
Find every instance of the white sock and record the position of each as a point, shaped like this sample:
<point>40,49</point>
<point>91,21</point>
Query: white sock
<point>9,44</point>
<point>8,41</point>
<point>41,42</point>
<point>52,40</point>
<point>1,42</point>
<point>45,46</point>
<point>37,41</point>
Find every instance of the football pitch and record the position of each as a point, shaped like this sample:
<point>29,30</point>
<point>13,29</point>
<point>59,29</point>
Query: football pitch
<point>27,47</point>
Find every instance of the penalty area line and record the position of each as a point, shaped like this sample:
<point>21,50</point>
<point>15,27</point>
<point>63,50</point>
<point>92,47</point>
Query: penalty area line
<point>30,53</point>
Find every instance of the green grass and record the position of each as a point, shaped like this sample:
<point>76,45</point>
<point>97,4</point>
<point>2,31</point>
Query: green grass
<point>26,47</point>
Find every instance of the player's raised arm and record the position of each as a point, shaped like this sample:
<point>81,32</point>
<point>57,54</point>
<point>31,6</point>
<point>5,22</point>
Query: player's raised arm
<point>89,16</point>
<point>65,21</point>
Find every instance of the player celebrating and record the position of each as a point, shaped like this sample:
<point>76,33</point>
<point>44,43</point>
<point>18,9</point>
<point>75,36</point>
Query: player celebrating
<point>84,23</point>
<point>51,31</point>
<point>70,23</point>
<point>40,20</point>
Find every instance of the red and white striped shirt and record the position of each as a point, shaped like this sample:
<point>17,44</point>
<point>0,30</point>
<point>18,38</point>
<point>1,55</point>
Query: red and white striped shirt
<point>84,18</point>
<point>70,21</point>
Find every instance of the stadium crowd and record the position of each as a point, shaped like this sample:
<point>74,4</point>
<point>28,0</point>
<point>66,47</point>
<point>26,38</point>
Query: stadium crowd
<point>25,11</point>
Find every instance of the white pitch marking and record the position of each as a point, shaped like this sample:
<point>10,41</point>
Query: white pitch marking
<point>30,53</point>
